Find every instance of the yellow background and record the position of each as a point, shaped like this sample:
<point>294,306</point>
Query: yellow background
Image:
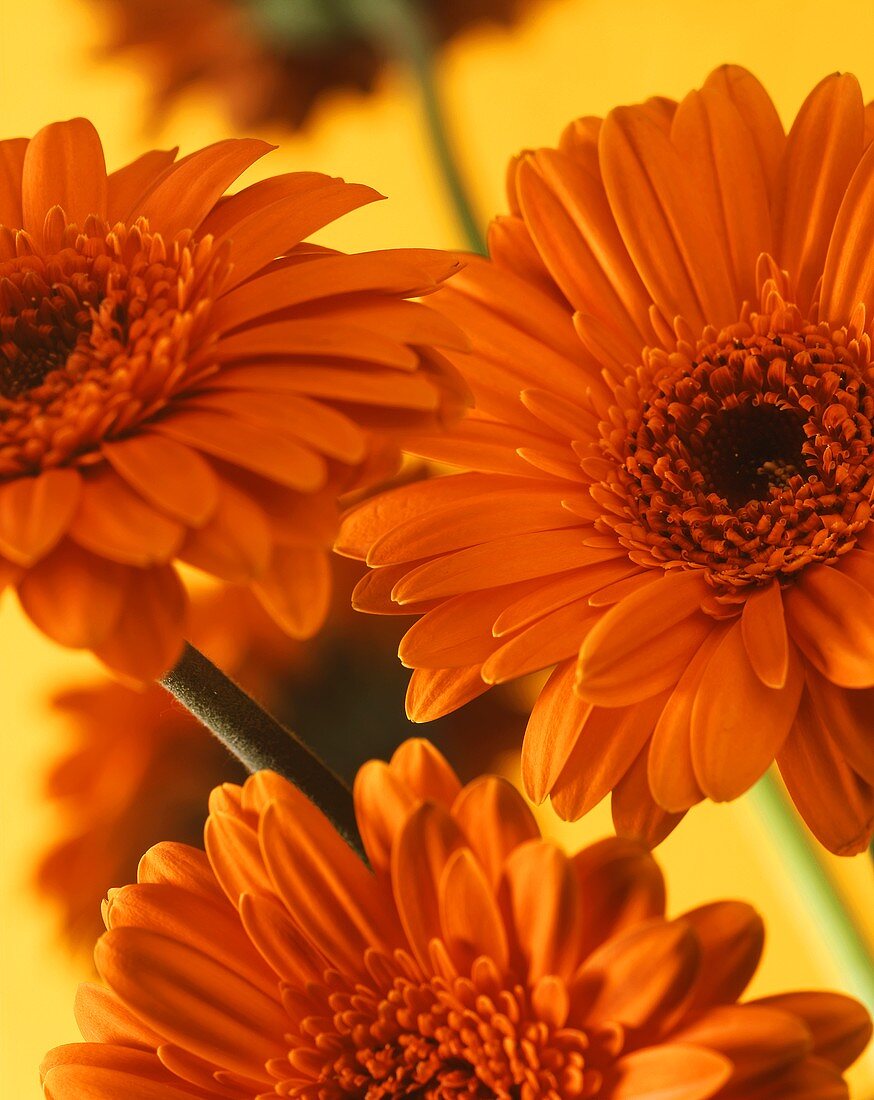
<point>505,92</point>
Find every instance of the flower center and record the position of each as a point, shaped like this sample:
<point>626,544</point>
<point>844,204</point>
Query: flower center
<point>96,334</point>
<point>749,452</point>
<point>413,1036</point>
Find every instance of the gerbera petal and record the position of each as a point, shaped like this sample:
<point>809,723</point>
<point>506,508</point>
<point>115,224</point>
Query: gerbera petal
<point>847,717</point>
<point>419,765</point>
<point>115,522</point>
<point>840,1026</point>
<point>496,821</point>
<point>421,852</point>
<point>235,856</point>
<point>272,455</point>
<point>193,1000</point>
<point>666,230</point>
<point>11,165</point>
<point>73,596</point>
<point>553,639</point>
<point>147,637</point>
<point>382,804</point>
<point>636,814</point>
<point>63,166</point>
<point>544,900</point>
<point>730,936</point>
<point>671,771</point>
<point>36,512</point>
<point>757,110</point>
<point>607,746</point>
<point>103,1018</point>
<point>127,185</point>
<point>555,724</point>
<point>90,1082</point>
<point>183,196</point>
<point>295,589</point>
<point>823,146</point>
<point>763,627</point>
<point>731,700</point>
<point>638,975</point>
<point>435,692</point>
<point>614,668</point>
<point>669,1072</point>
<point>848,276</point>
<point>169,475</point>
<point>622,887</point>
<point>469,915</point>
<point>714,142</point>
<point>837,804</point>
<point>236,543</point>
<point>831,620</point>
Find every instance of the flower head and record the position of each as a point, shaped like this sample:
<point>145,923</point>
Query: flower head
<point>475,959</point>
<point>671,464</point>
<point>170,391</point>
<point>272,62</point>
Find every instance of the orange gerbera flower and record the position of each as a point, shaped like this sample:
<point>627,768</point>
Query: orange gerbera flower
<point>272,63</point>
<point>476,960</point>
<point>671,464</point>
<point>170,391</point>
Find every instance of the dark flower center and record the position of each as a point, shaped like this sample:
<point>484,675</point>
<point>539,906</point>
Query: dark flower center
<point>752,449</point>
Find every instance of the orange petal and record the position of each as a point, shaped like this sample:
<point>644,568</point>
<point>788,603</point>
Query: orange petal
<point>823,146</point>
<point>183,196</point>
<point>671,774</point>
<point>236,543</point>
<point>664,225</point>
<point>129,184</point>
<point>758,112</point>
<point>456,633</point>
<point>11,164</point>
<point>114,521</point>
<point>556,637</point>
<point>840,1026</point>
<point>669,1071</point>
<point>146,639</point>
<point>193,1000</point>
<point>639,647</point>
<point>496,821</point>
<point>102,1018</point>
<point>835,802</point>
<point>382,804</point>
<point>73,596</point>
<point>811,1079</point>
<point>738,724</point>
<point>167,474</point>
<point>329,892</point>
<point>846,714</point>
<point>279,940</point>
<point>730,937</point>
<point>553,728</point>
<point>179,864</point>
<point>605,749</point>
<point>622,886</point>
<point>90,1082</point>
<point>544,900</point>
<point>636,814</point>
<point>63,166</point>
<point>469,915</point>
<point>35,513</point>
<point>421,852</point>
<point>639,975</point>
<point>295,589</point>
<point>763,627</point>
<point>314,336</point>
<point>235,856</point>
<point>425,770</point>
<point>271,455</point>
<point>435,692</point>
<point>848,278</point>
<point>831,620</point>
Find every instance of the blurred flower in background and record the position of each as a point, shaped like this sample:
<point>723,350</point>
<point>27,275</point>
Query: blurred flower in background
<point>139,767</point>
<point>471,959</point>
<point>271,60</point>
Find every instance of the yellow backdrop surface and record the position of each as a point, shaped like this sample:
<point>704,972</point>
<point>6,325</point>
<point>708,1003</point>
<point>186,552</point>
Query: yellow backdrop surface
<point>505,92</point>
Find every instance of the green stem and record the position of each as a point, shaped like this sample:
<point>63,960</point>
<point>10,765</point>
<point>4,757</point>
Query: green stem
<point>405,27</point>
<point>801,856</point>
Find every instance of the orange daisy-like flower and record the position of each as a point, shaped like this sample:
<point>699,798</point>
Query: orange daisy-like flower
<point>170,391</point>
<point>671,464</point>
<point>475,960</point>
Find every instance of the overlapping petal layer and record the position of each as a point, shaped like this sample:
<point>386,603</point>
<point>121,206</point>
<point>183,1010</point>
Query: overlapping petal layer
<point>171,391</point>
<point>669,465</point>
<point>473,958</point>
